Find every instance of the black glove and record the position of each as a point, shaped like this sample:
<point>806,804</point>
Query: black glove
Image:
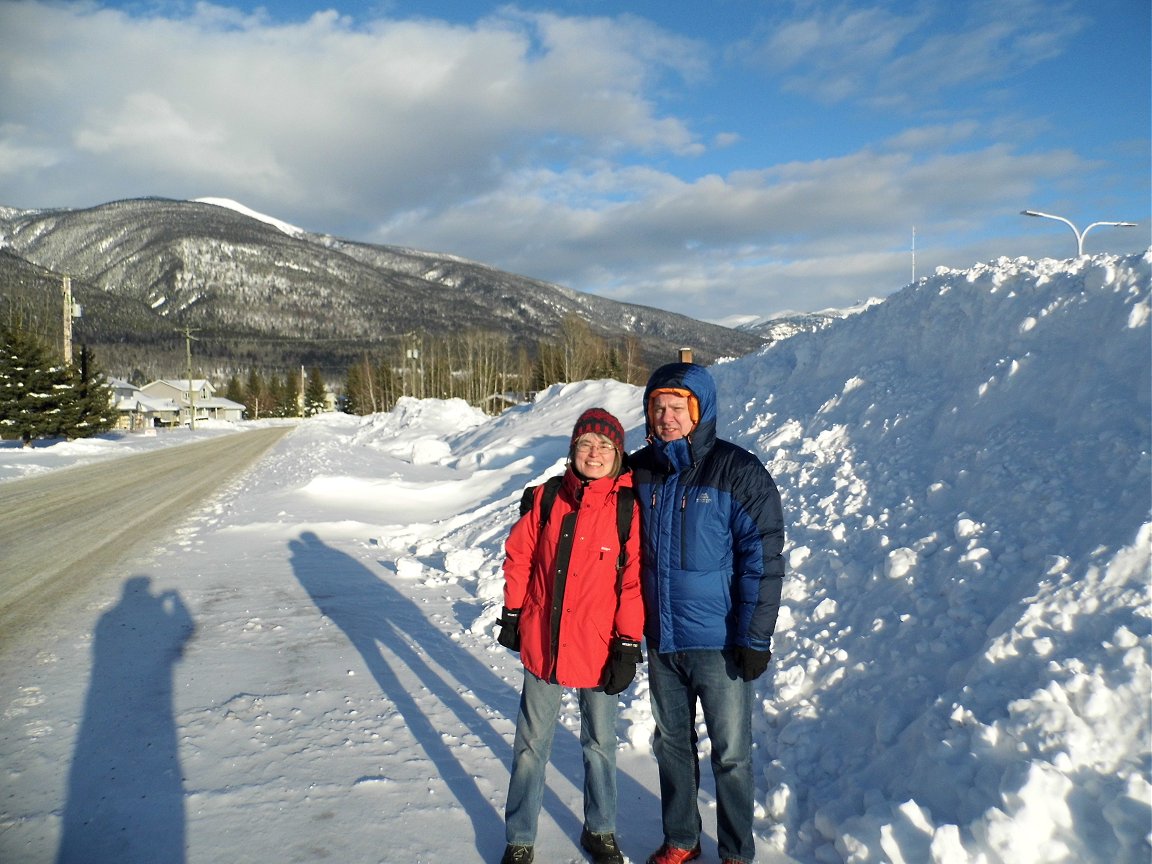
<point>751,662</point>
<point>509,635</point>
<point>621,669</point>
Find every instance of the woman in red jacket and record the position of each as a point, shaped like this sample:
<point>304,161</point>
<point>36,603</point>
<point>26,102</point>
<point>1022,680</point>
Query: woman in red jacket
<point>573,609</point>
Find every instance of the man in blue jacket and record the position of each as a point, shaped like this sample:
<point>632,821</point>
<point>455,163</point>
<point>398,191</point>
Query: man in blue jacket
<point>711,571</point>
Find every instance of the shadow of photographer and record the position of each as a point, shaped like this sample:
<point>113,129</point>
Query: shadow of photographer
<point>125,799</point>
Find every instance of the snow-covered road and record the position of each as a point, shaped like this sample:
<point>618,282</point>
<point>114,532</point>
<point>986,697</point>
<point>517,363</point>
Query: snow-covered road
<point>64,528</point>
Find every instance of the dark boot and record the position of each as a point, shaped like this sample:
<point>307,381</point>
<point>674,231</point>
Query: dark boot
<point>517,855</point>
<point>602,847</point>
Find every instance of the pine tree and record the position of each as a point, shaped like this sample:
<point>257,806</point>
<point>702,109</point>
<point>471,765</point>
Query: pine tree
<point>235,390</point>
<point>37,392</point>
<point>256,396</point>
<point>275,392</point>
<point>289,405</point>
<point>353,389</point>
<point>96,412</point>
<point>316,394</point>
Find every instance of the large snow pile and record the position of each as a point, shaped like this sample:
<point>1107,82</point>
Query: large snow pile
<point>962,667</point>
<point>961,672</point>
<point>964,662</point>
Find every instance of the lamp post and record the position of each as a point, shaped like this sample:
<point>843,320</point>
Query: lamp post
<point>1079,234</point>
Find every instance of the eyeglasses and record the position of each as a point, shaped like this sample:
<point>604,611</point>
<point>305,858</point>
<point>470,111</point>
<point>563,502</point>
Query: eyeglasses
<point>595,447</point>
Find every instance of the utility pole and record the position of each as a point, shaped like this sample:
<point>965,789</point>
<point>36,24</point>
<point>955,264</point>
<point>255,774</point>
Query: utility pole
<point>67,319</point>
<point>413,354</point>
<point>188,337</point>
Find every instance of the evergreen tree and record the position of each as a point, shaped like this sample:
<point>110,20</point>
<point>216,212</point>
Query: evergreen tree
<point>289,403</point>
<point>316,394</point>
<point>353,390</point>
<point>235,390</point>
<point>96,412</point>
<point>37,391</point>
<point>275,391</point>
<point>256,396</point>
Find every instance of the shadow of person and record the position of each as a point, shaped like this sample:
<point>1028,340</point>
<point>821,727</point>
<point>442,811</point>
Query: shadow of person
<point>125,799</point>
<point>377,619</point>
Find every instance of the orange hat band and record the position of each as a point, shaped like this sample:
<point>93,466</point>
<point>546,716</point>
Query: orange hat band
<point>693,402</point>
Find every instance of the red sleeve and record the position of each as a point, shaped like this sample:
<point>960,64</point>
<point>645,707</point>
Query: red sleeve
<point>518,551</point>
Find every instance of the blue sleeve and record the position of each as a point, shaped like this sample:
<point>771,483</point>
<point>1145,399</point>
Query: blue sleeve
<point>758,543</point>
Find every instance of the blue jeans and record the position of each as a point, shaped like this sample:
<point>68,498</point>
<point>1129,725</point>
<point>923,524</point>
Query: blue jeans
<point>676,682</point>
<point>535,729</point>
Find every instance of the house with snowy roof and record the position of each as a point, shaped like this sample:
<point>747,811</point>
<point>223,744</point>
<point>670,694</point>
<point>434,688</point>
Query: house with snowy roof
<point>135,410</point>
<point>195,397</point>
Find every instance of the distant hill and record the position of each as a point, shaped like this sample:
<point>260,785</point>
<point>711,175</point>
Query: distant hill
<point>787,324</point>
<point>257,293</point>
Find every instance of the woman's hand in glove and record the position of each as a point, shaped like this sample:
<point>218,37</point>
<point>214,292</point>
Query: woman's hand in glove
<point>622,659</point>
<point>509,635</point>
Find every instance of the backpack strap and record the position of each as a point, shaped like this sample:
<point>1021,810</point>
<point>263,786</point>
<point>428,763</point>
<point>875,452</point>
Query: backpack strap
<point>547,496</point>
<point>625,504</point>
<point>526,499</point>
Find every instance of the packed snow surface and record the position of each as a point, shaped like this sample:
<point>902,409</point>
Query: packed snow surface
<point>307,670</point>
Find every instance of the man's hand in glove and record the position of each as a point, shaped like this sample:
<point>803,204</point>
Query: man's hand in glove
<point>751,662</point>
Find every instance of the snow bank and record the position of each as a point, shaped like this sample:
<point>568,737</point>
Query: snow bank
<point>965,671</point>
<point>961,670</point>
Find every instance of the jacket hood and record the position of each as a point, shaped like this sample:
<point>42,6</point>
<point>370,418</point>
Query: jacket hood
<point>697,380</point>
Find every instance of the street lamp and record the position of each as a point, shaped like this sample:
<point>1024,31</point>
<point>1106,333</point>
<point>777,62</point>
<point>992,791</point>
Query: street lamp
<point>1079,234</point>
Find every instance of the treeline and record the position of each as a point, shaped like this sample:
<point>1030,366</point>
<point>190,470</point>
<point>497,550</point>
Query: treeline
<point>484,369</point>
<point>41,396</point>
<point>278,397</point>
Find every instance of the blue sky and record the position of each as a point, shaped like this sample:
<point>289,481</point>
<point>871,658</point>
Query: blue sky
<point>722,159</point>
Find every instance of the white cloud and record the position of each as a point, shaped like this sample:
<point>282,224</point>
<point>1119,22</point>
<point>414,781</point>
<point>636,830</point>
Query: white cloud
<point>840,52</point>
<point>837,228</point>
<point>402,111</point>
<point>548,145</point>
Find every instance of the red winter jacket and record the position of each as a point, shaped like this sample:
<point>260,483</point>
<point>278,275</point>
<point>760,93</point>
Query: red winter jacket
<point>568,603</point>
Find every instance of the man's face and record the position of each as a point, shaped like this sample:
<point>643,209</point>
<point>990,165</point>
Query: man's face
<point>669,417</point>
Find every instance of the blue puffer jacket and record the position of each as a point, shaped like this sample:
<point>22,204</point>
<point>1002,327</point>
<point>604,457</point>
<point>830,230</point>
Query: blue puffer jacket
<point>713,532</point>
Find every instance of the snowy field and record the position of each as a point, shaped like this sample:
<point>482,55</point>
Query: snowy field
<point>307,670</point>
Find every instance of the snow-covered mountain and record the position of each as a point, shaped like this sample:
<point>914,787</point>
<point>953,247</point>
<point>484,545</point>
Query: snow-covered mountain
<point>962,668</point>
<point>263,294</point>
<point>784,325</point>
<point>288,228</point>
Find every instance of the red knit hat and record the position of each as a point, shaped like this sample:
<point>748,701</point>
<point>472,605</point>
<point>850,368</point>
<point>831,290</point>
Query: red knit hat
<point>600,422</point>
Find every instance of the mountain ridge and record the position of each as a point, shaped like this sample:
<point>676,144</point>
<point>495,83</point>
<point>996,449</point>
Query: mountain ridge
<point>153,273</point>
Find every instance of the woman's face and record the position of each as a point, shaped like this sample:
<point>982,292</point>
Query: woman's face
<point>595,456</point>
